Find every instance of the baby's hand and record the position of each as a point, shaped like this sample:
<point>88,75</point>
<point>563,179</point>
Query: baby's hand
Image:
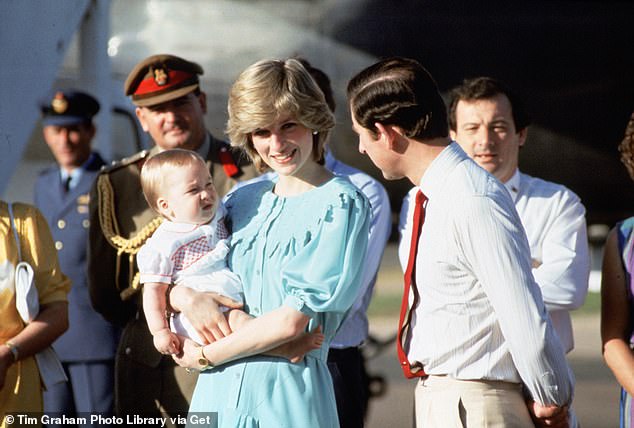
<point>166,342</point>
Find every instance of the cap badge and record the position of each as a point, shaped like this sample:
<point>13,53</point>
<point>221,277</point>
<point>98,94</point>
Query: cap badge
<point>59,103</point>
<point>160,76</point>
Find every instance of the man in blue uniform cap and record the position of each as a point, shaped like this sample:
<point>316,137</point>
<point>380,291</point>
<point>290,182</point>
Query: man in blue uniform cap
<point>87,349</point>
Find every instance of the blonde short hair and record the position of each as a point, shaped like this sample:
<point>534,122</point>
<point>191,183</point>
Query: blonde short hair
<point>158,167</point>
<point>270,89</point>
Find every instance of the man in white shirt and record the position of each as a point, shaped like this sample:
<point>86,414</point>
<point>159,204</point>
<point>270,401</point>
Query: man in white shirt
<point>480,332</point>
<point>490,123</point>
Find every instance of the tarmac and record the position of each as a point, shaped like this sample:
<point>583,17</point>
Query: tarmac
<point>596,401</point>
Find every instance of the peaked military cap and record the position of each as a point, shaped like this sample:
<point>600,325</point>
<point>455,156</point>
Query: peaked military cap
<point>161,78</point>
<point>68,107</point>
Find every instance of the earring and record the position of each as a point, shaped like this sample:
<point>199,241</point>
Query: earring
<point>315,132</point>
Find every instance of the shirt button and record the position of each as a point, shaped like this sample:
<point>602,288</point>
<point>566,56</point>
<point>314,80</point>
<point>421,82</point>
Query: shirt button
<point>59,245</point>
<point>61,224</point>
<point>85,223</point>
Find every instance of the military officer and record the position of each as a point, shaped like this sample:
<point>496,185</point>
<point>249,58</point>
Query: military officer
<point>170,107</point>
<point>87,349</point>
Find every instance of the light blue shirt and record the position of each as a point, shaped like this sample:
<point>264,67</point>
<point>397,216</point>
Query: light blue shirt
<point>75,177</point>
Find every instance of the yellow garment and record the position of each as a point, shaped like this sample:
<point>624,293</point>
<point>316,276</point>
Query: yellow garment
<point>22,391</point>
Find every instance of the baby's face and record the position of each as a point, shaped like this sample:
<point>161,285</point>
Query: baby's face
<point>191,196</point>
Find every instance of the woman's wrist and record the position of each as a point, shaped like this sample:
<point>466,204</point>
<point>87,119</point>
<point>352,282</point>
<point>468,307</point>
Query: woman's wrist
<point>13,352</point>
<point>203,362</point>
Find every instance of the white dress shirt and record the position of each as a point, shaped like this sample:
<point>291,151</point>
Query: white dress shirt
<point>554,220</point>
<point>481,314</point>
<point>354,328</point>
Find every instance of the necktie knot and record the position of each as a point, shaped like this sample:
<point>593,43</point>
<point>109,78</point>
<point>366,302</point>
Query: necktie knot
<point>420,197</point>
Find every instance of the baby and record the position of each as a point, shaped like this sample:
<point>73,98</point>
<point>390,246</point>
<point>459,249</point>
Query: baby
<point>190,248</point>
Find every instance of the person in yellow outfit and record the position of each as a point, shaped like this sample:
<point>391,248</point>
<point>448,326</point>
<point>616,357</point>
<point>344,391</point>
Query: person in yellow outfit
<point>20,384</point>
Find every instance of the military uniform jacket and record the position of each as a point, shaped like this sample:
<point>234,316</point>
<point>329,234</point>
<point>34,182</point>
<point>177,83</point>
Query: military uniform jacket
<point>118,198</point>
<point>89,337</point>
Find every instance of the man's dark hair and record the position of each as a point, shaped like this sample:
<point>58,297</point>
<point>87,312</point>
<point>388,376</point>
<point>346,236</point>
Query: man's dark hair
<point>400,92</point>
<point>322,80</point>
<point>484,88</point>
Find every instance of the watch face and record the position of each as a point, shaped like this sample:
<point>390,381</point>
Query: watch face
<point>204,362</point>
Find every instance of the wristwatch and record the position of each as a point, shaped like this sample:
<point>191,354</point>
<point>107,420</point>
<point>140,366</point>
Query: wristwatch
<point>14,350</point>
<point>203,362</point>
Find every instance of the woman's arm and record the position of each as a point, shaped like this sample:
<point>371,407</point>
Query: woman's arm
<point>615,316</point>
<point>264,333</point>
<point>50,323</point>
<point>202,310</point>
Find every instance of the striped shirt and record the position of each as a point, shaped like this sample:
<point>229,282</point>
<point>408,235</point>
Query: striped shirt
<point>481,314</point>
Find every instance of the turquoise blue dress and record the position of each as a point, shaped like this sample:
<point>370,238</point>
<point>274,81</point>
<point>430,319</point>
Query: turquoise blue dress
<point>305,252</point>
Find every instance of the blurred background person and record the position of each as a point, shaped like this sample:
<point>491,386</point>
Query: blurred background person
<point>346,362</point>
<point>61,193</point>
<point>170,107</point>
<point>20,382</point>
<point>617,289</point>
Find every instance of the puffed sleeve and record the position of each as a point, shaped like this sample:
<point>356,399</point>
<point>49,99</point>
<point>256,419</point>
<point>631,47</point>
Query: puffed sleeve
<point>325,275</point>
<point>39,251</point>
<point>154,266</point>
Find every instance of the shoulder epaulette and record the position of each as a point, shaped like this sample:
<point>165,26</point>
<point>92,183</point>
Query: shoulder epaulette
<point>117,164</point>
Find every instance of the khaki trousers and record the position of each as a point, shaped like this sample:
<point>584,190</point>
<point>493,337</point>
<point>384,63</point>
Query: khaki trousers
<point>442,402</point>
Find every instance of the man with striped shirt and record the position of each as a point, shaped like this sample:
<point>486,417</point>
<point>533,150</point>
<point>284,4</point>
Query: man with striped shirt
<point>480,332</point>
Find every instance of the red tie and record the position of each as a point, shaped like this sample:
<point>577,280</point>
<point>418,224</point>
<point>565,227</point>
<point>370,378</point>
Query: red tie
<point>410,281</point>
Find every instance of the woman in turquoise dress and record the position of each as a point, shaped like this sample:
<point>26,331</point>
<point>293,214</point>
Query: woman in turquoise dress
<point>298,246</point>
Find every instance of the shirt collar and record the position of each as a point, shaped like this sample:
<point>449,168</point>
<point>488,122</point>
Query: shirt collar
<point>330,160</point>
<point>179,227</point>
<point>513,185</point>
<point>75,174</point>
<point>440,168</point>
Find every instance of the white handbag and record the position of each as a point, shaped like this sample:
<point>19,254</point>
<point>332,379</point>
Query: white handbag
<point>28,306</point>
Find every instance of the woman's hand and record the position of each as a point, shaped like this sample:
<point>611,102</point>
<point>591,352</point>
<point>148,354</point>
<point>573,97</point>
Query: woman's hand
<point>202,309</point>
<point>190,354</point>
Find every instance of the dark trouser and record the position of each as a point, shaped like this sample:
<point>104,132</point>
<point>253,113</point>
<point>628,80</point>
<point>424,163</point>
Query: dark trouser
<point>147,383</point>
<point>347,368</point>
<point>163,391</point>
<point>89,390</point>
